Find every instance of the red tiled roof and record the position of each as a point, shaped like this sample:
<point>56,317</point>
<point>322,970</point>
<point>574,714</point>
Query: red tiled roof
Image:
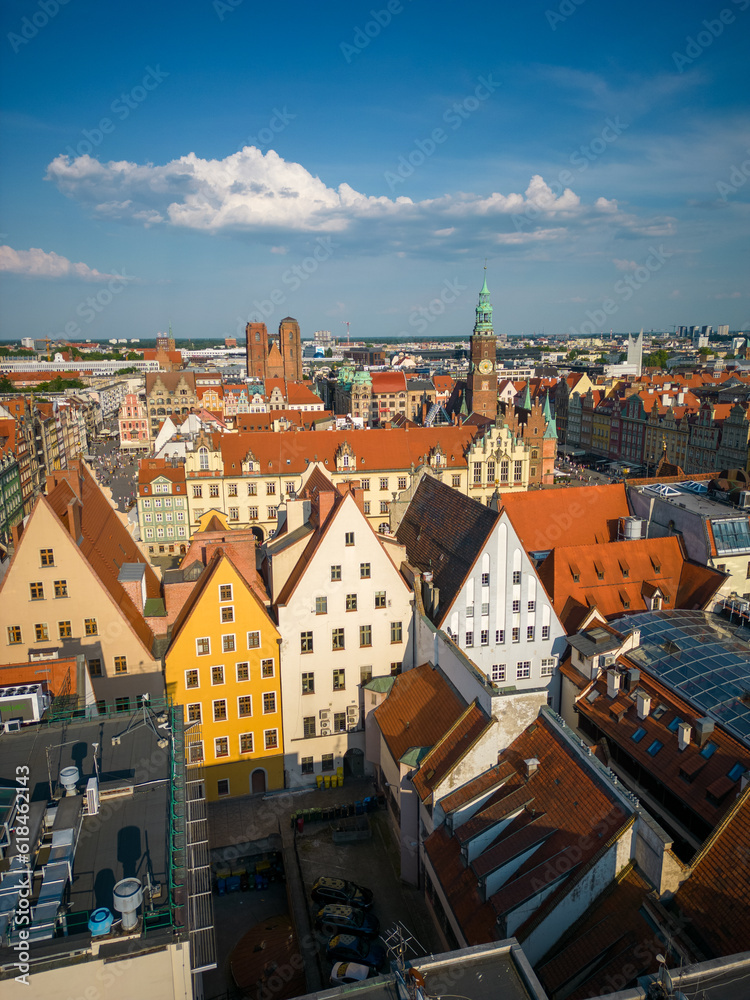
<point>153,468</point>
<point>388,382</point>
<point>669,761</point>
<point>478,786</point>
<point>715,896</point>
<point>420,707</point>
<point>568,803</point>
<point>450,749</point>
<point>545,518</point>
<point>620,576</point>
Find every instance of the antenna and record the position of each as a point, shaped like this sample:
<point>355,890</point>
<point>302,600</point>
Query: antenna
<point>345,322</point>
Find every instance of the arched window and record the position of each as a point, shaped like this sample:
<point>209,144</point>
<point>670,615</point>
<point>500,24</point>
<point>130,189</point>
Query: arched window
<point>203,458</point>
<point>535,454</point>
<point>384,528</point>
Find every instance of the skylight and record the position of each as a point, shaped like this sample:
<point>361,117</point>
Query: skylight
<point>672,727</point>
<point>708,750</point>
<point>731,536</point>
<point>638,734</point>
<point>735,773</point>
<point>655,747</point>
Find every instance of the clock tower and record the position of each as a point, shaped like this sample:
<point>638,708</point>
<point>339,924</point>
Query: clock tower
<point>481,385</point>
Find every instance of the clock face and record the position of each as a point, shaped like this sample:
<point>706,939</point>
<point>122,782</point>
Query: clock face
<point>485,367</point>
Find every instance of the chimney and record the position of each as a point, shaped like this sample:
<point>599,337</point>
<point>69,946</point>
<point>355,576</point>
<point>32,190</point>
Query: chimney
<point>530,766</point>
<point>326,500</point>
<point>132,577</point>
<point>297,514</point>
<point>703,729</point>
<point>613,683</point>
<point>643,703</point>
<point>73,515</point>
<point>16,531</point>
<point>683,735</point>
<point>633,677</point>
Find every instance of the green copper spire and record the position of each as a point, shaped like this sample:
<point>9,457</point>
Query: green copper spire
<point>546,412</point>
<point>526,402</point>
<point>483,323</point>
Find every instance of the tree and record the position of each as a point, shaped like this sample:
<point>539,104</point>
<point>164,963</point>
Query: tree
<point>329,352</point>
<point>657,359</point>
<point>6,385</point>
<point>623,357</point>
<point>572,355</point>
<point>602,360</point>
<point>705,352</point>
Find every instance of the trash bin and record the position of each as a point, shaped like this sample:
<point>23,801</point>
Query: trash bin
<point>328,781</point>
<point>319,781</point>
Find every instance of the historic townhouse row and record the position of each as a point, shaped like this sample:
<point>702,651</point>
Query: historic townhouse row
<point>249,476</point>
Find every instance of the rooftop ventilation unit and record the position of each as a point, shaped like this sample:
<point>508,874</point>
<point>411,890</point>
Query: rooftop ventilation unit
<point>69,779</point>
<point>127,897</point>
<point>100,921</point>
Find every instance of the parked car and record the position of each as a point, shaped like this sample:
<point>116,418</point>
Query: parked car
<point>338,890</point>
<point>346,973</point>
<point>349,919</point>
<point>348,948</point>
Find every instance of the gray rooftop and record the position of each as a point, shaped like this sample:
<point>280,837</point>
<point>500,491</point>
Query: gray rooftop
<point>594,641</point>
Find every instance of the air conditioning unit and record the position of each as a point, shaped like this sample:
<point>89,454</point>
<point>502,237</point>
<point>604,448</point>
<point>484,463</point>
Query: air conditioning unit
<point>325,730</point>
<point>13,726</point>
<point>324,715</point>
<point>352,712</point>
<point>744,499</point>
<point>610,660</point>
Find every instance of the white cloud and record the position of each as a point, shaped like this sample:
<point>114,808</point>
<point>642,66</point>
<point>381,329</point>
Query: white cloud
<point>624,265</point>
<point>262,194</point>
<point>36,263</point>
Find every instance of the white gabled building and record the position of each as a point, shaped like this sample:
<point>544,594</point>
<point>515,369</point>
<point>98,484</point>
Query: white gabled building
<point>481,588</point>
<point>344,612</point>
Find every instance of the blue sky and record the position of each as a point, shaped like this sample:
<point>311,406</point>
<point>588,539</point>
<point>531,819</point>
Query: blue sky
<point>207,163</point>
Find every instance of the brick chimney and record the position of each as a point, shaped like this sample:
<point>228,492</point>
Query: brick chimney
<point>132,578</point>
<point>530,766</point>
<point>326,500</point>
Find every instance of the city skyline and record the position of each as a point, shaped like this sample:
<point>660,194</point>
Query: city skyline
<point>209,171</point>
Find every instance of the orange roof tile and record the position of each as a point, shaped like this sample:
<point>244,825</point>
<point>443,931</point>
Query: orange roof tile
<point>388,382</point>
<point>544,518</point>
<point>450,749</point>
<point>420,708</point>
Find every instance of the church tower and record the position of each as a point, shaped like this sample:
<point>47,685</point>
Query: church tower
<point>290,345</point>
<point>481,385</point>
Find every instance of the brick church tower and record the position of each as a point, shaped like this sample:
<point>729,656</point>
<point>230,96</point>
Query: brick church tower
<point>481,385</point>
<point>274,357</point>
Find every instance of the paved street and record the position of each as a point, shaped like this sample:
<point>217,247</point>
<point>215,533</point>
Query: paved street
<point>116,471</point>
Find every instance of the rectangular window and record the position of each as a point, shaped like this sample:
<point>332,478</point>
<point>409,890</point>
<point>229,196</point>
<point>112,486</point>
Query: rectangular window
<point>252,513</point>
<point>402,482</point>
<point>121,664</point>
<point>227,613</point>
<point>232,487</point>
<point>246,742</point>
<point>64,630</point>
<point>384,482</point>
<point>270,489</point>
<point>122,704</point>
<point>245,706</point>
<point>365,635</point>
<point>203,646</point>
<point>61,588</point>
<point>455,481</point>
<point>485,609</point>
<point>194,712</point>
<point>234,513</point>
<point>308,683</point>
<point>221,749</point>
<point>47,557</point>
<point>531,605</point>
<point>220,710</point>
<point>252,489</point>
<point>326,762</point>
<point>498,673</point>
<point>243,671</point>
<point>469,641</point>
<point>484,637</point>
<point>397,632</point>
<point>195,752</point>
<point>217,675</point>
<point>366,506</point>
<point>351,602</point>
<point>335,572</point>
<point>253,640</point>
<point>490,472</point>
<point>337,638</point>
<point>383,506</point>
<point>306,765</point>
<point>364,571</point>
<point>90,627</point>
<point>95,668</point>
<point>523,669</point>
<point>365,675</point>
<point>41,632</point>
<point>213,490</point>
<point>504,467</point>
<point>548,666</point>
<point>349,538</point>
<point>321,605</point>
<point>306,642</point>
<point>197,491</point>
<point>477,473</point>
<point>516,635</point>
<point>269,702</point>
<point>517,472</point>
<point>516,607</point>
<point>485,579</point>
<point>545,631</point>
<point>339,680</point>
<point>228,643</point>
<point>500,635</point>
<point>271,739</point>
<point>191,679</point>
<point>308,726</point>
<point>37,591</point>
<point>267,668</point>
<point>380,599</point>
<point>272,513</point>
<point>517,576</point>
<point>529,633</point>
<point>339,722</point>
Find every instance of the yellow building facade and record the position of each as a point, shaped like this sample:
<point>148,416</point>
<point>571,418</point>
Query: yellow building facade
<point>223,667</point>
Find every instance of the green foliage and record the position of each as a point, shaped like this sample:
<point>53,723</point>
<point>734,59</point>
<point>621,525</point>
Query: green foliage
<point>657,359</point>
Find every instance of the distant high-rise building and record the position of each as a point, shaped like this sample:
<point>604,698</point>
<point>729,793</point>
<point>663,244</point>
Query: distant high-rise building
<point>722,331</point>
<point>635,352</point>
